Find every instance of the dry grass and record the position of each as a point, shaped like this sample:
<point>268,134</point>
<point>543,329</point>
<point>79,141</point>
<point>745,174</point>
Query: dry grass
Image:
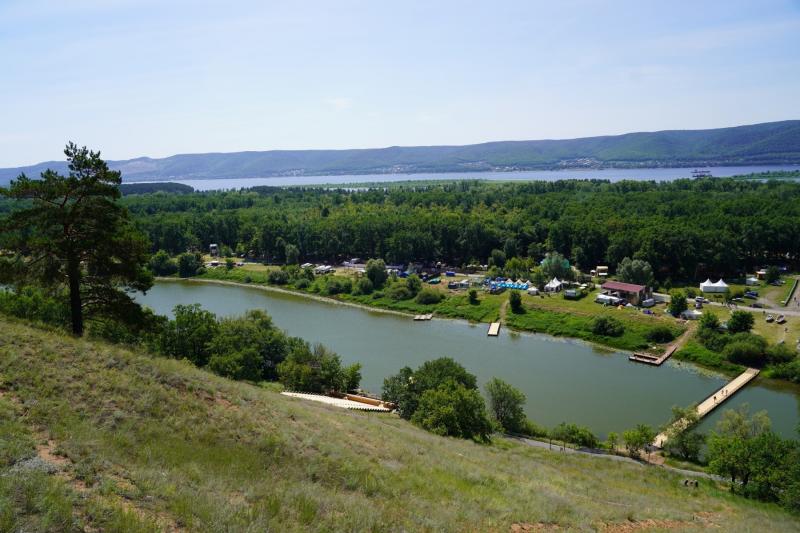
<point>157,444</point>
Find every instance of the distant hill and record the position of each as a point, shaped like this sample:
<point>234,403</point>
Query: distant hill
<point>758,144</point>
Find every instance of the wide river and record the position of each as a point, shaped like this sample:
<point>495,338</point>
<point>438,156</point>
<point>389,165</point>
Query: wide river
<point>564,380</point>
<point>613,174</point>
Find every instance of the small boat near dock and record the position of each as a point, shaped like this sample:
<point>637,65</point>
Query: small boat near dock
<point>494,329</point>
<point>429,316</point>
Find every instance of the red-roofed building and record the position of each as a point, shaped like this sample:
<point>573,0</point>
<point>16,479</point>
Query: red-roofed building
<point>635,294</point>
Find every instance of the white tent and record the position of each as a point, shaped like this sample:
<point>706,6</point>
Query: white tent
<point>709,286</point>
<point>752,281</point>
<point>553,285</point>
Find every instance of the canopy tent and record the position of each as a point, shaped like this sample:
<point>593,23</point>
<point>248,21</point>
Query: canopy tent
<point>709,286</point>
<point>553,285</point>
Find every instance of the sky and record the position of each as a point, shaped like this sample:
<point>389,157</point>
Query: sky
<point>156,78</point>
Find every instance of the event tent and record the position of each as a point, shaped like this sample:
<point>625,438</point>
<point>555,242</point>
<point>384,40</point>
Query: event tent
<point>709,286</point>
<point>553,285</point>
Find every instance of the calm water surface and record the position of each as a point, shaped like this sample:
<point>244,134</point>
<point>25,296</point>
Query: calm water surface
<point>613,174</point>
<point>564,380</point>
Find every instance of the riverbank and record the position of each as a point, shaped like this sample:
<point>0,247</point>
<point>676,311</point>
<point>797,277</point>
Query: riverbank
<point>541,316</point>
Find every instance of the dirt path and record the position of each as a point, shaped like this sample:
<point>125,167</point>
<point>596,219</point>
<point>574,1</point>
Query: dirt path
<point>62,467</point>
<point>503,312</point>
<point>684,338</point>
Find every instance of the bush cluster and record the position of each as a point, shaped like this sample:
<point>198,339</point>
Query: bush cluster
<point>607,326</point>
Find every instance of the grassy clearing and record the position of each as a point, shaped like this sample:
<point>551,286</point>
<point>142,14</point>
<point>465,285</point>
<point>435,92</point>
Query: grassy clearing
<point>580,327</point>
<point>774,333</point>
<point>154,442</point>
<point>557,316</point>
<point>696,353</point>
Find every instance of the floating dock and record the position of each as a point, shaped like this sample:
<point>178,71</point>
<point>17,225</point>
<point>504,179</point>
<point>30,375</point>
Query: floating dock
<point>350,401</point>
<point>429,316</point>
<point>650,359</point>
<point>716,399</point>
<point>494,329</point>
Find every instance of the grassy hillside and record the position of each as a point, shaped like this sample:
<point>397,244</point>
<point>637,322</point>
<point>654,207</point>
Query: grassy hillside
<point>768,143</point>
<point>95,437</point>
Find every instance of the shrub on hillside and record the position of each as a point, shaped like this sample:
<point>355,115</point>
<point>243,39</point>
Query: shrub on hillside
<point>660,334</point>
<point>364,286</point>
<point>506,404</point>
<point>473,296</point>
<point>740,321</point>
<point>247,347</point>
<point>161,264</point>
<point>338,285</point>
<point>316,370</point>
<point>302,284</point>
<point>32,303</point>
<point>780,353</point>
<point>399,291</point>
<point>406,387</point>
<point>188,335</point>
<point>607,326</point>
<point>748,352</point>
<point>575,434</point>
<point>428,297</point>
<point>278,277</point>
<point>451,409</point>
<point>376,273</point>
<point>515,301</point>
<point>789,371</point>
<point>189,265</point>
<point>413,284</point>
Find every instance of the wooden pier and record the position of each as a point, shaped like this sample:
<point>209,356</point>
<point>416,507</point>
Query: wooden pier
<point>494,329</point>
<point>710,403</point>
<point>650,359</point>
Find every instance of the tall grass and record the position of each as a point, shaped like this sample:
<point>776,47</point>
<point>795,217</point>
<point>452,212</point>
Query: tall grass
<point>158,441</point>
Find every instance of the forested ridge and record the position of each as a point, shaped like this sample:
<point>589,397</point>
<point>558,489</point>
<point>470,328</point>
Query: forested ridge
<point>687,229</point>
<point>769,143</point>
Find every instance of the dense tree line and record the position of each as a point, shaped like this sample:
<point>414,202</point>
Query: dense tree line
<point>685,229</point>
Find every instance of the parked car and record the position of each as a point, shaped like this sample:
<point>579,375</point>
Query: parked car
<point>781,319</point>
<point>757,305</point>
<point>770,318</point>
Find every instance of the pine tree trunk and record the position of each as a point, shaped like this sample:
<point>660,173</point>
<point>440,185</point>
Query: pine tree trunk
<point>75,308</point>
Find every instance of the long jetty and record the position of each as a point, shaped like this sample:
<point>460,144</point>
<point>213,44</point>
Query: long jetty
<point>711,403</point>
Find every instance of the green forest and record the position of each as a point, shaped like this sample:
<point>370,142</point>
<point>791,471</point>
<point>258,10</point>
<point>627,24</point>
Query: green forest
<point>686,229</point>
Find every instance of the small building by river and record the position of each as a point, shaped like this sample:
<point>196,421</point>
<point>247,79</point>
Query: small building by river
<point>633,293</point>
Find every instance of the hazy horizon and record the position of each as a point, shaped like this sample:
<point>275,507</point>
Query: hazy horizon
<point>138,78</point>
